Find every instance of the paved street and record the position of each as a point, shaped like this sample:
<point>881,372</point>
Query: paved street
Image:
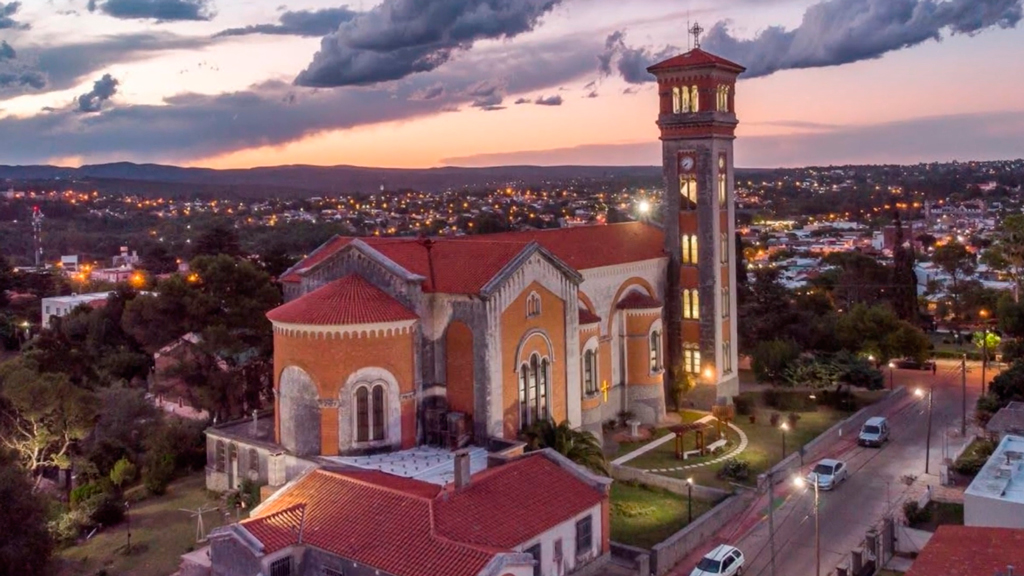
<point>874,486</point>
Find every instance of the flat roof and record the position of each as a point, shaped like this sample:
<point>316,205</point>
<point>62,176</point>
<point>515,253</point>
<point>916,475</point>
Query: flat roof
<point>1002,477</point>
<point>424,463</point>
<point>78,298</point>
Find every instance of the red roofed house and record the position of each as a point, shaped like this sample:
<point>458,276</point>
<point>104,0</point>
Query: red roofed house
<point>392,343</point>
<point>971,551</point>
<point>536,514</point>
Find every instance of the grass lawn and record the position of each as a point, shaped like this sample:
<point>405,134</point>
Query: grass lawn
<point>161,533</point>
<point>643,516</point>
<point>664,456</point>
<point>688,416</point>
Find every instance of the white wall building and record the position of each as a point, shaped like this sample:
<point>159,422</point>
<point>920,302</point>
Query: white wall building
<point>996,496</point>
<point>58,306</point>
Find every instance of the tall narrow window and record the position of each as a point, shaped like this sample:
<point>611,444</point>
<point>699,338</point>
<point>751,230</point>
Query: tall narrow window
<point>686,104</point>
<point>542,392</point>
<point>677,100</point>
<point>524,404</point>
<point>725,248</point>
<point>688,192</point>
<point>723,182</point>
<point>590,372</point>
<point>282,567</point>
<point>378,412</point>
<point>532,305</point>
<point>655,345</point>
<point>685,249</point>
<point>693,249</point>
<point>691,358</point>
<point>254,461</point>
<point>686,304</point>
<point>535,552</point>
<point>362,415</point>
<point>584,536</point>
<point>694,99</point>
<point>726,302</point>
<point>727,357</point>
<point>219,456</point>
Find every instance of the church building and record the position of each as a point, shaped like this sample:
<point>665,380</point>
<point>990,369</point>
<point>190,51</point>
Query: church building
<point>387,344</point>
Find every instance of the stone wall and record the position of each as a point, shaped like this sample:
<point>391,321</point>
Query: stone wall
<point>674,485</point>
<point>675,548</point>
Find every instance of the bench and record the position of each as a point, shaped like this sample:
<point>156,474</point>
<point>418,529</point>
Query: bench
<point>717,445</point>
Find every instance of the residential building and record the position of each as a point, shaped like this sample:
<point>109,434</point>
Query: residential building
<point>971,551</point>
<point>996,496</point>
<point>58,306</point>
<point>394,343</point>
<point>536,515</point>
<point>1008,420</point>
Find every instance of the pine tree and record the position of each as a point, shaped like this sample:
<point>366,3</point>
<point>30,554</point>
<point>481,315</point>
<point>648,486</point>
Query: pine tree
<point>904,279</point>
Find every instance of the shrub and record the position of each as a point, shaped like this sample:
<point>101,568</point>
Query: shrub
<point>793,418</point>
<point>158,473</point>
<point>774,419</point>
<point>744,405</point>
<point>85,492</point>
<point>789,400</point>
<point>735,469</point>
<point>104,509</point>
<point>123,473</point>
<point>972,460</point>
<point>624,416</point>
<point>66,528</point>
<point>914,513</point>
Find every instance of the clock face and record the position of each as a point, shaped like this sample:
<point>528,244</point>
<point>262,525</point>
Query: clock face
<point>686,163</point>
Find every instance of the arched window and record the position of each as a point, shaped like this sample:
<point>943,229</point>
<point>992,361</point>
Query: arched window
<point>694,99</point>
<point>725,248</point>
<point>533,391</point>
<point>532,305</point>
<point>362,414</point>
<point>727,357</point>
<point>219,456</point>
<point>689,250</point>
<point>686,106</point>
<point>655,346</point>
<point>378,413</point>
<point>723,182</point>
<point>691,358</point>
<point>726,302</point>
<point>590,372</point>
<point>254,461</point>
<point>691,304</point>
<point>687,295</point>
<point>677,100</point>
<point>688,192</point>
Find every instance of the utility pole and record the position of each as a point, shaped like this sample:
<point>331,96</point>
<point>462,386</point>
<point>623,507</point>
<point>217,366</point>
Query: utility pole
<point>963,382</point>
<point>771,516</point>
<point>984,357</point>
<point>928,439</point>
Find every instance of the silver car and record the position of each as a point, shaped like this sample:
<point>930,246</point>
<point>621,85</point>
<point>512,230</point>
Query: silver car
<point>724,560</point>
<point>829,473</point>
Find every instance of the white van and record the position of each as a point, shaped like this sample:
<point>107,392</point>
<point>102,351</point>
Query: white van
<point>875,432</point>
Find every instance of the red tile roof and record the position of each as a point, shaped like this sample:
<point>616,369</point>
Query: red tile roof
<point>410,528</point>
<point>970,551</point>
<point>348,300</point>
<point>638,301</point>
<point>696,58</point>
<point>463,265</point>
<point>588,317</point>
<point>506,506</point>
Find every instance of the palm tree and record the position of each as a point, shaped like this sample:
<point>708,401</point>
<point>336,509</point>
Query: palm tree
<point>580,446</point>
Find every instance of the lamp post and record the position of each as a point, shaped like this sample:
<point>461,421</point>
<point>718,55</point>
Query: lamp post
<point>128,525</point>
<point>928,439</point>
<point>817,531</point>
<point>984,347</point>
<point>689,500</point>
<point>892,368</point>
<point>784,427</point>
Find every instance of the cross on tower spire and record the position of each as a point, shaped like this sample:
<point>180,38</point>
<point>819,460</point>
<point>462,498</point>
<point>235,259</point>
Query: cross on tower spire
<point>696,31</point>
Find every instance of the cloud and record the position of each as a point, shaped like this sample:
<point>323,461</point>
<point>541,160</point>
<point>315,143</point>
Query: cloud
<point>555,100</point>
<point>62,66</point>
<point>429,93</point>
<point>7,51</point>
<point>15,74</point>
<point>190,127</point>
<point>102,90</point>
<point>487,95</point>
<point>630,62</point>
<point>592,94</point>
<point>160,10</point>
<point>523,101</point>
<point>835,32</point>
<point>398,38</point>
<point>8,10</point>
<point>299,23</point>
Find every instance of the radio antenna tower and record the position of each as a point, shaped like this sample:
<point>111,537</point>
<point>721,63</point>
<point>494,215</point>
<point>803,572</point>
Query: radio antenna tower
<point>37,232</point>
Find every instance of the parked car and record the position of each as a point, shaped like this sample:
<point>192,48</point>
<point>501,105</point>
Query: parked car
<point>724,560</point>
<point>875,432</point>
<point>911,364</point>
<point>829,473</point>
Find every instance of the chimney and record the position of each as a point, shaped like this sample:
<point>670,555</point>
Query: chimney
<point>461,469</point>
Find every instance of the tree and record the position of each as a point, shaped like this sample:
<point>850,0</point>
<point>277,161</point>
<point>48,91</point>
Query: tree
<point>876,330</point>
<point>156,259</point>
<point>220,239</point>
<point>959,264</point>
<point>122,473</point>
<point>25,546</point>
<point>773,358</point>
<point>577,445</point>
<point>1007,387</point>
<point>988,342</point>
<point>1007,254</point>
<point>904,279</point>
<point>6,279</point>
<point>44,415</point>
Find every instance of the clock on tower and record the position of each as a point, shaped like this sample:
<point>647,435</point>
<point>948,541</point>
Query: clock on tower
<point>697,120</point>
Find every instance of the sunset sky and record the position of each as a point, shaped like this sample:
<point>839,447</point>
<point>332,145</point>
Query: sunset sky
<point>418,83</point>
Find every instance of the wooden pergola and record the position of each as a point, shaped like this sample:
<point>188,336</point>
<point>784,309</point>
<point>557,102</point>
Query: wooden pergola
<point>681,430</point>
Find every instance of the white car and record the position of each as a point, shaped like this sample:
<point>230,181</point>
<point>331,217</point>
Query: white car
<point>829,473</point>
<point>722,561</point>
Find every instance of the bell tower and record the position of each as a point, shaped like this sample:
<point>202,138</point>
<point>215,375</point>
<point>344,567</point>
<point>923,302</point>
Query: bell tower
<point>697,120</point>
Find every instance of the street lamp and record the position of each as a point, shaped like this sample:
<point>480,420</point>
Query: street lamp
<point>784,427</point>
<point>817,532</point>
<point>689,500</point>
<point>984,347</point>
<point>928,439</point>
<point>892,368</point>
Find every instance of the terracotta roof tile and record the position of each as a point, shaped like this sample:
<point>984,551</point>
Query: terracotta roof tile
<point>638,301</point>
<point>969,551</point>
<point>588,317</point>
<point>506,506</point>
<point>694,59</point>
<point>348,300</point>
<point>278,530</point>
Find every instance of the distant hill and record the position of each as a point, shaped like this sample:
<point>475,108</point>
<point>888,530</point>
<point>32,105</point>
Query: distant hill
<point>301,181</point>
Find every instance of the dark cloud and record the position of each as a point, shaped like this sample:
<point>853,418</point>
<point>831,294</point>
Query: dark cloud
<point>630,62</point>
<point>8,10</point>
<point>523,101</point>
<point>299,23</point>
<point>191,127</point>
<point>590,85</point>
<point>592,94</point>
<point>837,32</point>
<point>102,90</point>
<point>58,67</point>
<point>555,100</point>
<point>398,38</point>
<point>487,95</point>
<point>631,90</point>
<point>6,51</point>
<point>25,79</point>
<point>429,93</point>
<point>160,10</point>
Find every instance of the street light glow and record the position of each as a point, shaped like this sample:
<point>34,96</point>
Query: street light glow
<point>799,482</point>
<point>784,426</point>
<point>644,207</point>
<point>919,393</point>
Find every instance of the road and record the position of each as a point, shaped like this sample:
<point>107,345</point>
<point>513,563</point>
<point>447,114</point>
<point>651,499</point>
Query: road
<point>874,486</point>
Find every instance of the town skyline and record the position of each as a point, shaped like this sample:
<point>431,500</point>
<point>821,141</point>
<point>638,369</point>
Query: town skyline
<point>179,88</point>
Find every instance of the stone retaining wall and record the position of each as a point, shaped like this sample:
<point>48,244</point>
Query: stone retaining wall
<point>675,548</point>
<point>625,473</point>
